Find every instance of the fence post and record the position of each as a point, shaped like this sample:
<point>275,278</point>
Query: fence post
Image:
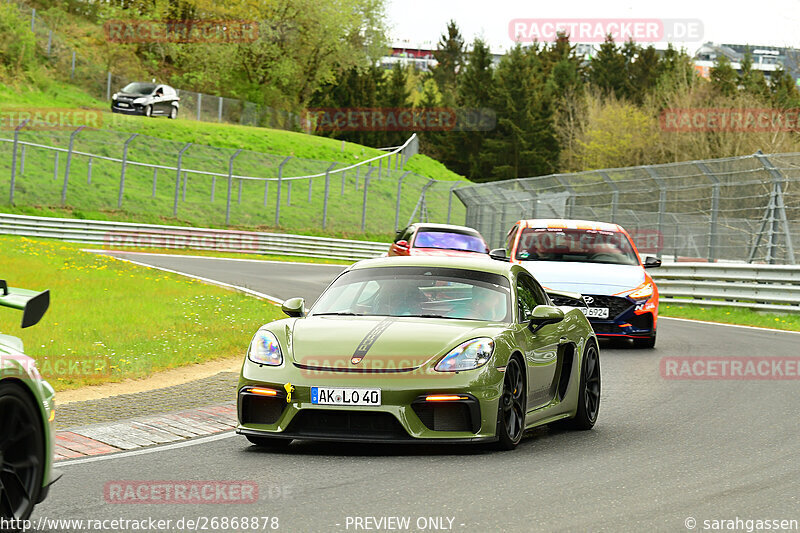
<point>124,163</point>
<point>266,191</point>
<point>33,18</point>
<point>72,72</point>
<point>219,111</point>
<point>14,158</point>
<point>712,230</point>
<point>358,171</point>
<point>571,200</point>
<point>364,205</point>
<point>450,200</point>
<point>239,198</point>
<point>397,205</point>
<point>289,192</point>
<point>777,192</point>
<point>662,203</point>
<point>325,198</point>
<point>185,180</point>
<point>614,194</point>
<point>230,184</point>
<point>22,160</point>
<point>380,167</point>
<point>69,160</point>
<point>49,42</point>
<point>213,187</point>
<point>178,179</point>
<point>108,86</point>
<point>278,200</point>
<point>89,172</point>
<point>199,104</point>
<point>344,173</point>
<point>55,166</point>
<point>310,183</point>
<point>155,180</point>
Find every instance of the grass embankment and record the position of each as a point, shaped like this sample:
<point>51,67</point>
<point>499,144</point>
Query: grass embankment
<point>38,188</point>
<point>731,315</point>
<point>110,320</point>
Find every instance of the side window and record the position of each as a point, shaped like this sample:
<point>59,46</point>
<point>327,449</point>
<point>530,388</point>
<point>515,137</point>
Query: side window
<point>510,239</point>
<point>529,295</point>
<point>400,235</point>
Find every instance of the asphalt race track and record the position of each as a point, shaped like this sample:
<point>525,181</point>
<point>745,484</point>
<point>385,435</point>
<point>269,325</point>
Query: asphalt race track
<point>665,455</point>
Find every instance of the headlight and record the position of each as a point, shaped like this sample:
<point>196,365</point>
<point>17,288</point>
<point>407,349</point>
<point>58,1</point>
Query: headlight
<point>114,96</point>
<point>264,349</point>
<point>140,100</point>
<point>468,355</point>
<point>644,291</point>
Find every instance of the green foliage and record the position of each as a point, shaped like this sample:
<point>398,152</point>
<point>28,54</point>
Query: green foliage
<point>17,44</point>
<point>607,71</point>
<point>724,78</point>
<point>450,57</point>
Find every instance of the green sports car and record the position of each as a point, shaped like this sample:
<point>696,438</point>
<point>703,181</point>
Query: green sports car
<point>27,410</point>
<point>421,349</point>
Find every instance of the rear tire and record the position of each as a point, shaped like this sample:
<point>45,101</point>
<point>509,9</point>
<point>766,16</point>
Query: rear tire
<point>173,113</point>
<point>148,111</point>
<point>269,443</point>
<point>511,407</point>
<point>22,449</point>
<point>588,393</point>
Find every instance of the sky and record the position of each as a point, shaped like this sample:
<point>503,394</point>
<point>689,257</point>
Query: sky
<point>759,22</point>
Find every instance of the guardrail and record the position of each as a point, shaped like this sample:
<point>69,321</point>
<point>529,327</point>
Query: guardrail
<point>125,234</point>
<point>763,287</point>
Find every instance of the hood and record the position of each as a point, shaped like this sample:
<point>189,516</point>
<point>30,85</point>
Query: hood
<point>383,343</point>
<point>586,278</point>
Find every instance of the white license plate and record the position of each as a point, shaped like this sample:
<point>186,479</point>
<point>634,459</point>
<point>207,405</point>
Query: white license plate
<point>595,312</point>
<point>343,396</point>
<point>122,104</point>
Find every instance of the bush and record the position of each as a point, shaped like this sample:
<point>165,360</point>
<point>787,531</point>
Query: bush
<point>17,43</point>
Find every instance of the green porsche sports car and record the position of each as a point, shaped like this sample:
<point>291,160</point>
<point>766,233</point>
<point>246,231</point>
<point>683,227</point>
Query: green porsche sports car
<point>27,410</point>
<point>421,349</point>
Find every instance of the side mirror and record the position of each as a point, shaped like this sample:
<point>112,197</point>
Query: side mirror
<point>652,262</point>
<point>402,244</point>
<point>294,307</point>
<point>544,315</point>
<point>499,254</point>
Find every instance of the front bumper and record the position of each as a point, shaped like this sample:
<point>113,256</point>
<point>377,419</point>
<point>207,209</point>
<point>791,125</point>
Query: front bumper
<point>135,109</point>
<point>403,416</point>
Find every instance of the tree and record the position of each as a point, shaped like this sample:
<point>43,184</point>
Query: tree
<point>753,81</point>
<point>449,55</point>
<point>607,71</point>
<point>784,93</point>
<point>724,78</point>
<point>394,96</point>
<point>525,143</point>
<point>643,74</point>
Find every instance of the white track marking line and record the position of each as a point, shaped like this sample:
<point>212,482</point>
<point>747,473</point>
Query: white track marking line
<point>109,252</point>
<point>728,325</point>
<point>273,299</point>
<point>144,451</point>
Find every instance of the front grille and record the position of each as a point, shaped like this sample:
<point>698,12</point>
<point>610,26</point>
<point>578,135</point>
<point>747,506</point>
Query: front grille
<point>449,416</point>
<point>260,409</point>
<point>566,300</point>
<point>346,424</point>
<point>604,327</point>
<point>616,305</point>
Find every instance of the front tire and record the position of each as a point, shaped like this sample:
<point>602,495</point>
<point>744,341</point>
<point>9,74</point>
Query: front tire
<point>588,393</point>
<point>148,111</point>
<point>511,408</point>
<point>269,443</point>
<point>21,452</point>
<point>173,113</point>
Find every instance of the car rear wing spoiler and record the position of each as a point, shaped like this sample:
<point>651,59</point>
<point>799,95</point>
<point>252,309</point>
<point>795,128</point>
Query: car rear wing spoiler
<point>566,294</point>
<point>32,304</point>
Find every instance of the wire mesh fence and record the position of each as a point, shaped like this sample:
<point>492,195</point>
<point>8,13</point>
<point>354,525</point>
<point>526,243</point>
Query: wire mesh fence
<point>162,180</point>
<point>739,208</point>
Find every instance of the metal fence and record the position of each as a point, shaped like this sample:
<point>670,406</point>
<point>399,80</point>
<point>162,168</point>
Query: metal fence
<point>738,208</point>
<point>99,170</point>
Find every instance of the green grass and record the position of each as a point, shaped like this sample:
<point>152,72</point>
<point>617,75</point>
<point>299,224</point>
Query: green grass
<point>38,188</point>
<point>113,320</point>
<point>731,315</point>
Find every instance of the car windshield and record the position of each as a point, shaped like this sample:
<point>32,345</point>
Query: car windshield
<point>138,88</point>
<point>449,240</point>
<point>430,292</point>
<point>576,245</point>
